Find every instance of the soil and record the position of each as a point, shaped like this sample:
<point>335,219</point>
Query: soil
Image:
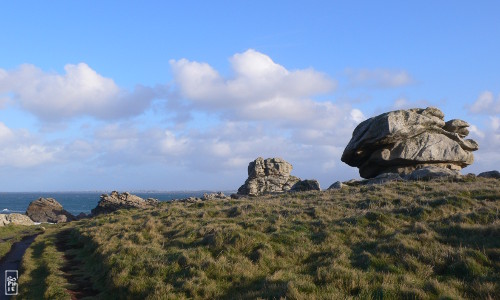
<point>81,285</point>
<point>12,261</point>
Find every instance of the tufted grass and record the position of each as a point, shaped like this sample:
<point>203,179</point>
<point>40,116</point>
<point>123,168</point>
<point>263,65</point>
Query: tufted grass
<point>404,240</point>
<point>41,276</point>
<point>14,233</point>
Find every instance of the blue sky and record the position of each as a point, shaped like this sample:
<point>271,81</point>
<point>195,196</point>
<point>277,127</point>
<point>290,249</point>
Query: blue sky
<point>170,96</point>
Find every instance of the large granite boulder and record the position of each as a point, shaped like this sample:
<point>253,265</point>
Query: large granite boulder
<point>115,201</point>
<point>405,140</point>
<point>16,219</point>
<point>270,175</point>
<point>48,210</point>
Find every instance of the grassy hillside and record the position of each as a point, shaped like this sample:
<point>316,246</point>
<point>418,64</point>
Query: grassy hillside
<point>14,233</point>
<point>406,240</point>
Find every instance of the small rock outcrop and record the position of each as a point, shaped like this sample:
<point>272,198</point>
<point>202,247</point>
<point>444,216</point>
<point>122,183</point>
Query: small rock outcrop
<point>215,196</point>
<point>115,201</point>
<point>403,141</point>
<point>384,178</point>
<point>48,210</point>
<point>270,175</point>
<point>306,185</point>
<point>16,219</point>
<point>431,172</point>
<point>337,185</point>
<point>490,174</point>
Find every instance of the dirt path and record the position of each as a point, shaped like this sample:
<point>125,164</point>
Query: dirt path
<point>81,285</point>
<point>12,261</point>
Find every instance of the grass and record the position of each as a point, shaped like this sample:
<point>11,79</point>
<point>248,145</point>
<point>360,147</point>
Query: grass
<point>42,277</point>
<point>404,240</point>
<point>14,233</point>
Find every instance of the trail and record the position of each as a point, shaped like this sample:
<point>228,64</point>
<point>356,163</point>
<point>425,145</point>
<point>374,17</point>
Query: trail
<point>81,285</point>
<point>12,261</point>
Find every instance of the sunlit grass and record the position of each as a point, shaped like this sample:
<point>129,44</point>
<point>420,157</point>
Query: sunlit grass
<point>13,233</point>
<point>405,240</point>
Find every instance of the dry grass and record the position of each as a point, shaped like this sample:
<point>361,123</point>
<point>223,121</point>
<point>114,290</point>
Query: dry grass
<point>406,240</point>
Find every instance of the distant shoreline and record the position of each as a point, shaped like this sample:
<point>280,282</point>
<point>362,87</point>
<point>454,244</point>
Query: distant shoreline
<point>77,202</point>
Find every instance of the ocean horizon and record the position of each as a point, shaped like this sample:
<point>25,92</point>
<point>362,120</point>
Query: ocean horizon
<point>77,202</point>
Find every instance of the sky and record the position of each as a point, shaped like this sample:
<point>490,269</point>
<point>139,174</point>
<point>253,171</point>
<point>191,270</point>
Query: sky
<point>182,95</point>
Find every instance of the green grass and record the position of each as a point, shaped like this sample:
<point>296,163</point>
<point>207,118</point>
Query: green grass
<point>405,240</point>
<point>40,269</point>
<point>13,233</point>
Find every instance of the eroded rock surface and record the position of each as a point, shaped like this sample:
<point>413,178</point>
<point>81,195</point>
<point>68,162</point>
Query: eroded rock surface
<point>270,175</point>
<point>48,210</point>
<point>405,140</point>
<point>16,219</point>
<point>115,201</point>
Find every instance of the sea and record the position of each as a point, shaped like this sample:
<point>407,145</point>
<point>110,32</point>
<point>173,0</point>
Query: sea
<point>77,202</point>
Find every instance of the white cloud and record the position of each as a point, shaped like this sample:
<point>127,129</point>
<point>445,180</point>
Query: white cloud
<point>260,89</point>
<point>486,104</point>
<point>474,130</point>
<point>266,110</point>
<point>379,78</point>
<point>170,144</point>
<point>80,91</point>
<point>357,115</point>
<point>20,149</point>
<point>6,133</point>
<point>488,137</point>
<point>261,109</point>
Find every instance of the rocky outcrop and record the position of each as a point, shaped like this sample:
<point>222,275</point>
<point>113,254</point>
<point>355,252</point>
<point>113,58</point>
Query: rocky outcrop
<point>205,197</point>
<point>48,210</point>
<point>405,140</point>
<point>306,185</point>
<point>384,178</point>
<point>270,175</point>
<point>431,172</point>
<point>490,174</point>
<point>16,219</point>
<point>115,201</point>
<point>215,196</point>
<point>337,185</point>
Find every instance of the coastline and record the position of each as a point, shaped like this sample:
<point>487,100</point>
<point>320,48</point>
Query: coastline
<point>77,202</point>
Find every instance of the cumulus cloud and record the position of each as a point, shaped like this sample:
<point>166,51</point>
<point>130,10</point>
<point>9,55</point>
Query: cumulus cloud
<point>485,104</point>
<point>18,148</point>
<point>379,78</point>
<point>260,109</point>
<point>259,89</point>
<point>80,91</point>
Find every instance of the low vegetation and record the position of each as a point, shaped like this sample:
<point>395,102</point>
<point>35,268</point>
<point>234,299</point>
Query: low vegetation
<point>403,240</point>
<point>14,233</point>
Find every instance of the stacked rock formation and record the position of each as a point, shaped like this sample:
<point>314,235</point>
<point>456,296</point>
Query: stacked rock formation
<point>115,201</point>
<point>48,210</point>
<point>405,140</point>
<point>270,175</point>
